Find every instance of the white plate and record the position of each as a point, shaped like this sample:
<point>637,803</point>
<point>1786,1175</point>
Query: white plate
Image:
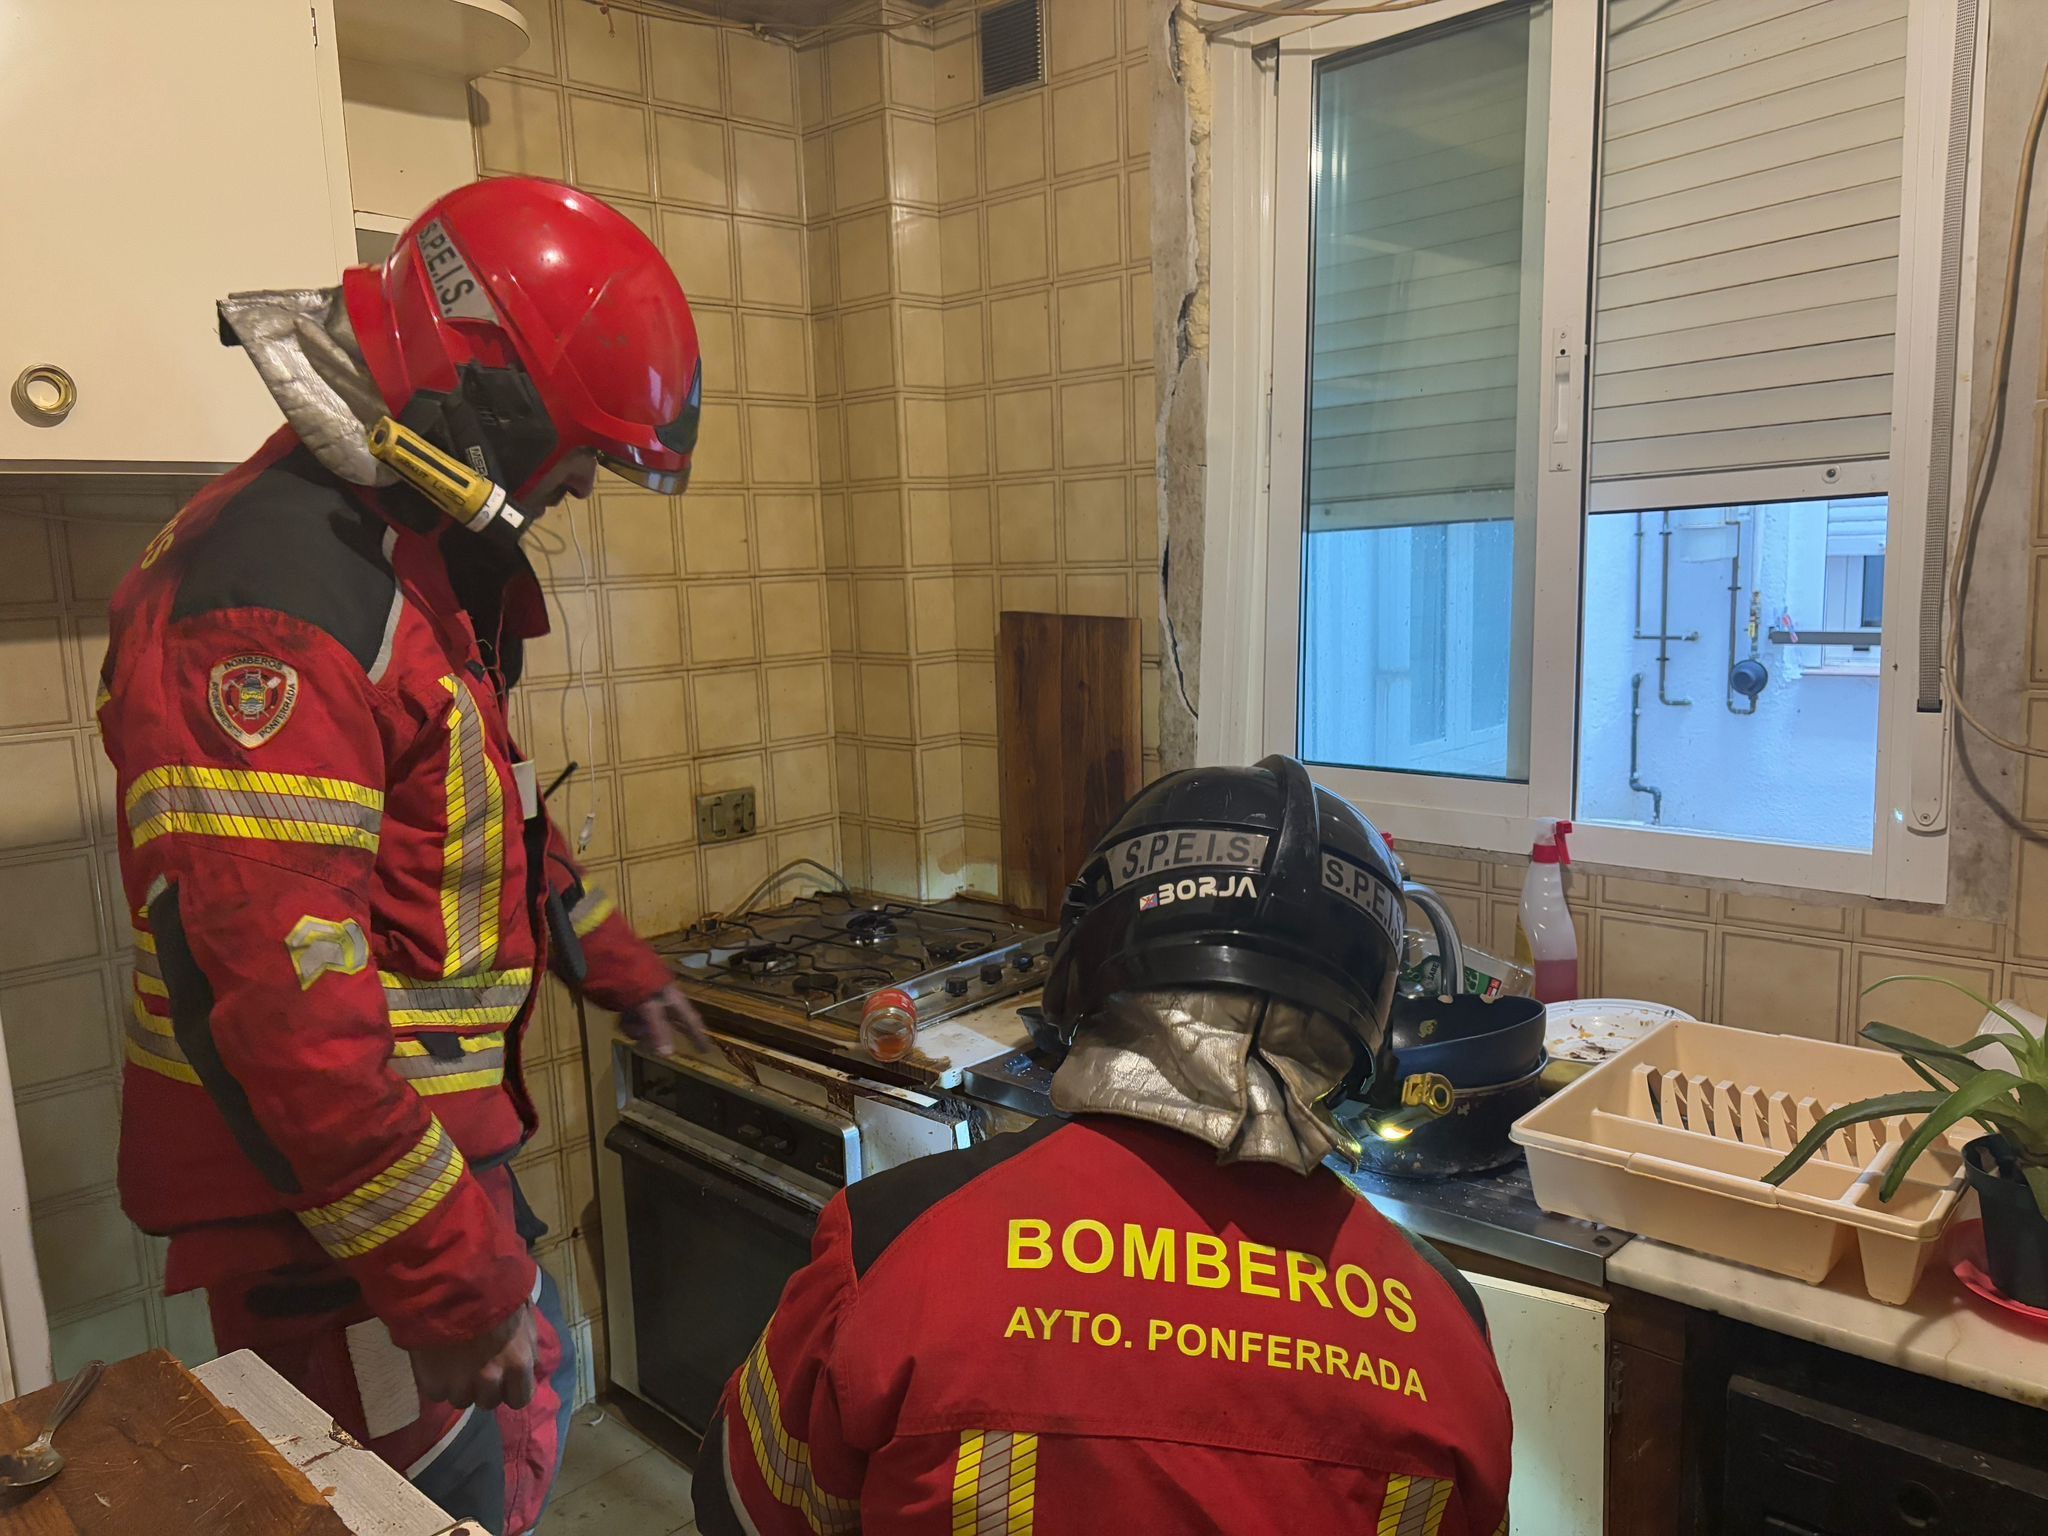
<point>1588,1030</point>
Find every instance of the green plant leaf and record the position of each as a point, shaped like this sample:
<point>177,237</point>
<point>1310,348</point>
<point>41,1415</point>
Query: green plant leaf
<point>1980,1093</point>
<point>2037,1181</point>
<point>2029,1048</point>
<point>1906,1043</point>
<point>1916,1103</point>
<point>1927,1075</point>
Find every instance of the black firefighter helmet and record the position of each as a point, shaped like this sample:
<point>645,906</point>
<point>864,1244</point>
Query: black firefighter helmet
<point>1252,878</point>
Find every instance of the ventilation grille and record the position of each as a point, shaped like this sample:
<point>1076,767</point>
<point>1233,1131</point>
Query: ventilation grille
<point>1012,47</point>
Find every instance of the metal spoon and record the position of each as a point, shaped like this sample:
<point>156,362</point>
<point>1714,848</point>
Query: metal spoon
<point>39,1461</point>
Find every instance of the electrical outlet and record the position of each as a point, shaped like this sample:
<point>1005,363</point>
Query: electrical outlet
<point>725,815</point>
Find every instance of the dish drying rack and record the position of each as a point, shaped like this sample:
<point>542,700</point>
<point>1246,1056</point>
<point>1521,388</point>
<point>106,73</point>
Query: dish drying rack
<point>1671,1138</point>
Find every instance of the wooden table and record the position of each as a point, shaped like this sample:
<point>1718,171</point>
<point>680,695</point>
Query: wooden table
<point>231,1450</point>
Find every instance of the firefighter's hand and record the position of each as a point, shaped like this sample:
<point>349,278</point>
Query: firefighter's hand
<point>657,1021</point>
<point>493,1368</point>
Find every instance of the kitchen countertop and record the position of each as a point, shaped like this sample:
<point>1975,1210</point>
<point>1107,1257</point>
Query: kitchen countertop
<point>1495,1214</point>
<point>1944,1332</point>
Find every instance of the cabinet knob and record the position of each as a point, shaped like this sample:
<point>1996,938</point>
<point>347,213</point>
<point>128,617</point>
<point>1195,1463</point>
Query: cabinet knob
<point>44,394</point>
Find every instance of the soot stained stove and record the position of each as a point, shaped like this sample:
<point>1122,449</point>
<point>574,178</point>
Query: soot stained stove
<point>803,972</point>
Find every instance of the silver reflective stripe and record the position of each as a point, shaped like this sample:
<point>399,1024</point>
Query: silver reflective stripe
<point>995,1483</point>
<point>381,663</point>
<point>1185,848</point>
<point>784,1460</point>
<point>172,800</point>
<point>480,1063</point>
<point>473,857</point>
<point>589,913</point>
<point>489,997</point>
<point>396,1199</point>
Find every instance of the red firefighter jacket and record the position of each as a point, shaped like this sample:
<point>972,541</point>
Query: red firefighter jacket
<point>326,864</point>
<point>1091,1326</point>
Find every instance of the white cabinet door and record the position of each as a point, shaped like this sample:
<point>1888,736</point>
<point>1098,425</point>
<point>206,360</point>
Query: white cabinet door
<point>158,156</point>
<point>1552,1350</point>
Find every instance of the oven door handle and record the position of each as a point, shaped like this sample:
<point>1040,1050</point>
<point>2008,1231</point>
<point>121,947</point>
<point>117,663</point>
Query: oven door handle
<point>700,1176</point>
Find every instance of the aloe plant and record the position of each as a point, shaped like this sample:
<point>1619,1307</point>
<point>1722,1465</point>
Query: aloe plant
<point>2015,1105</point>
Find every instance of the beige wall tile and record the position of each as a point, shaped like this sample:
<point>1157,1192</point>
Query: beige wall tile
<point>913,160</point>
<point>792,617</point>
<point>575,613</point>
<point>68,1140</point>
<point>558,729</point>
<point>867,348</point>
<point>796,702</point>
<point>871,432</point>
<point>1144,419</point>
<point>53,918</point>
<point>938,694</point>
<point>1775,912</point>
<point>608,140</point>
<point>763,82</point>
<point>1024,523</point>
<point>934,625</point>
<point>1086,125</point>
<point>25,571</point>
<point>890,775</point>
<point>876,521</point>
<point>59,1027</point>
<point>832,511</point>
<point>2027,988</point>
<point>1890,925</point>
<point>47,794</point>
<point>860,169</point>
<point>660,808</point>
<point>1087,218</point>
<point>765,176</point>
<point>831,429</point>
<point>1017,241</point>
<point>2030,909</point>
<point>1097,520</point>
<point>801,778</point>
<point>1091,325</point>
<point>931,526</point>
<point>779,445</point>
<point>1922,1007</point>
<point>2039,609</point>
<point>540,55</point>
<point>956,77</point>
<point>977,696</point>
<point>910,73</point>
<point>1104,593</point>
<point>967,436</point>
<point>817,176</point>
<point>646,628</point>
<point>714,533</point>
<point>853,74</point>
<point>1020,344</point>
<point>683,64</point>
<point>661,892</point>
<point>960,252</point>
<point>885,700</point>
<point>917,254</point>
<point>1030,594</point>
<point>1654,896</point>
<point>638,531</point>
<point>100,555</point>
<point>699,247</point>
<point>1137,110</point>
<point>32,690</point>
<point>1013,142</point>
<point>1078,33</point>
<point>719,349</point>
<point>974,613</point>
<point>957,149</point>
<point>820,261</point>
<point>2034,800</point>
<point>921,331</point>
<point>881,619</point>
<point>893,863</point>
<point>1659,962</point>
<point>964,367</point>
<point>973,528</point>
<point>721,617</point>
<point>717,460</point>
<point>602,49</point>
<point>88,1253</point>
<point>863,244</point>
<point>777,350</point>
<point>726,709</point>
<point>1138,213</point>
<point>924,438</point>
<point>1140,317</point>
<point>938,771</point>
<point>845,694</point>
<point>771,263</point>
<point>1024,430</point>
<point>825,378</point>
<point>650,716</point>
<point>1092,426</point>
<point>810,85</point>
<point>1784,986</point>
<point>519,128</point>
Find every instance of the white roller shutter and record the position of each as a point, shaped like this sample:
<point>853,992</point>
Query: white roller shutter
<point>1857,527</point>
<point>1749,234</point>
<point>1417,292</point>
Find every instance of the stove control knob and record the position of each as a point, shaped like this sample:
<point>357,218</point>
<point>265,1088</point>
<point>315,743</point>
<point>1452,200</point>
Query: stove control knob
<point>992,973</point>
<point>956,986</point>
<point>1024,960</point>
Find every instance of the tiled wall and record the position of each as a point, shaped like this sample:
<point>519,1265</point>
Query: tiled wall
<point>982,301</point>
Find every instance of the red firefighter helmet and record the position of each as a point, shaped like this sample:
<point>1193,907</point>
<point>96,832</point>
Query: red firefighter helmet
<point>528,319</point>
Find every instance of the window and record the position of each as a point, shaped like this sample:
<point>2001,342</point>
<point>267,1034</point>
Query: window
<point>1603,419</point>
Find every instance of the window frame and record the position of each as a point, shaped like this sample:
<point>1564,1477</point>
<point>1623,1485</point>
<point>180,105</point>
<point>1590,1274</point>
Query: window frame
<point>1260,273</point>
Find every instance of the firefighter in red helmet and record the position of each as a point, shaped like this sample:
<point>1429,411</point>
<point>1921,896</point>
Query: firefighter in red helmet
<point>342,883</point>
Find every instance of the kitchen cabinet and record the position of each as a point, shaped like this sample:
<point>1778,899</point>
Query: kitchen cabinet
<point>159,157</point>
<point>1552,1350</point>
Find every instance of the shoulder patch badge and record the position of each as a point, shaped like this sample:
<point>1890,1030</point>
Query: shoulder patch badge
<point>319,945</point>
<point>252,697</point>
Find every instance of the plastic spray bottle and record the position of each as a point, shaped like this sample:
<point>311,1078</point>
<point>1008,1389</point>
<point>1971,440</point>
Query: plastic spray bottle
<point>1545,940</point>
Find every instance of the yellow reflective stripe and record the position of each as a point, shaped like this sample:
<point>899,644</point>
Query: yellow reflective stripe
<point>473,851</point>
<point>146,942</point>
<point>785,1461</point>
<point>153,1023</point>
<point>431,1074</point>
<point>589,914</point>
<point>1414,1506</point>
<point>177,1071</point>
<point>262,829</point>
<point>397,1199</point>
<point>995,1483</point>
<point>254,781</point>
<point>451,1002</point>
<point>151,985</point>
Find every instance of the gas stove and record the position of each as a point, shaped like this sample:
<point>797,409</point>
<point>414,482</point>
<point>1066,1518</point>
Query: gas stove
<point>804,971</point>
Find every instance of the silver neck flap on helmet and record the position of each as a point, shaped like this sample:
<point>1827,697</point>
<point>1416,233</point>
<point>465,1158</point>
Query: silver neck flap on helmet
<point>305,350</point>
<point>1246,1073</point>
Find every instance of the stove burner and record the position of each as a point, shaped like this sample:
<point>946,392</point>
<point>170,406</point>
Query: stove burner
<point>870,928</point>
<point>814,984</point>
<point>763,960</point>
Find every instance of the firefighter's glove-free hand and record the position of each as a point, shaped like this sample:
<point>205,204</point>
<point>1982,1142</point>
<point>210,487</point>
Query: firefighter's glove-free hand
<point>656,1022</point>
<point>492,1369</point>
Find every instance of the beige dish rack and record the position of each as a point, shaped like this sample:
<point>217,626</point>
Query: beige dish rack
<point>1671,1138</point>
